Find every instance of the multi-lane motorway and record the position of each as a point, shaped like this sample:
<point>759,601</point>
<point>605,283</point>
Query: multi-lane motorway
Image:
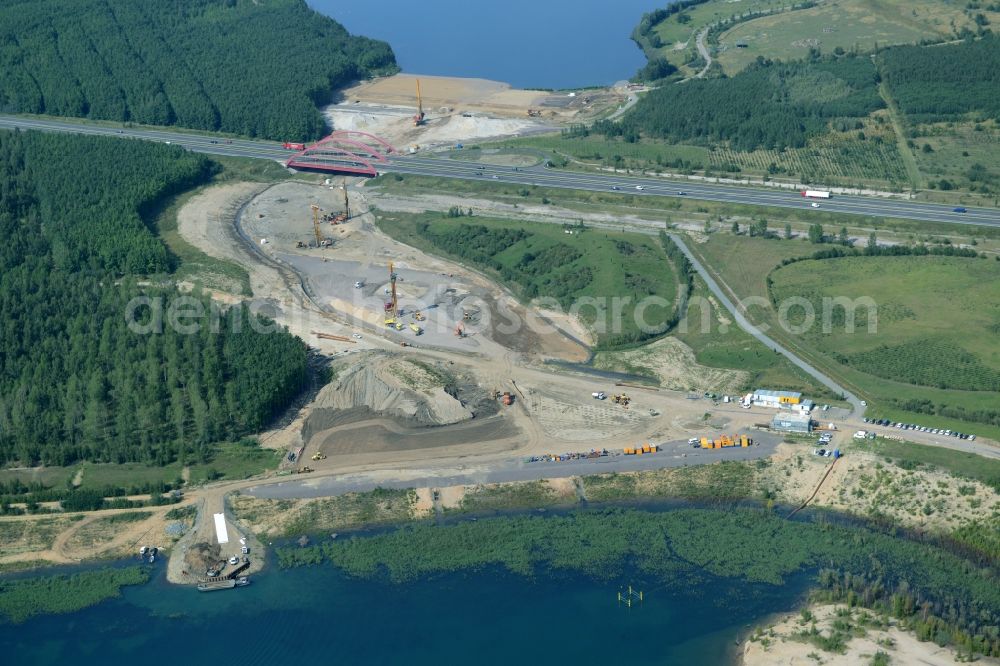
<point>541,176</point>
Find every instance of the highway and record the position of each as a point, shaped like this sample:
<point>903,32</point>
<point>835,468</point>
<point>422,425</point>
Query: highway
<point>441,166</point>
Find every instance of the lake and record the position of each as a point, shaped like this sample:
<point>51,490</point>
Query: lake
<point>316,615</point>
<point>527,43</point>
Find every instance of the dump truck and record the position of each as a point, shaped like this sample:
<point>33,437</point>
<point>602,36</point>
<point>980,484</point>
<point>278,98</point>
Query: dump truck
<point>507,398</point>
<point>416,329</point>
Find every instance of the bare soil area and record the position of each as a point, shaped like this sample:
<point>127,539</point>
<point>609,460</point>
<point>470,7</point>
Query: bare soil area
<point>350,279</point>
<point>459,109</point>
<point>673,364</point>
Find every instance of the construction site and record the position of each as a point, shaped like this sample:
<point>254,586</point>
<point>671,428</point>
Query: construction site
<point>427,365</point>
<point>431,111</point>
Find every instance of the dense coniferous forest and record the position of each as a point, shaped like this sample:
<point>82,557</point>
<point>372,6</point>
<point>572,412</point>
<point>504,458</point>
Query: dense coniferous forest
<point>770,105</point>
<point>75,381</point>
<point>936,83</point>
<point>240,66</point>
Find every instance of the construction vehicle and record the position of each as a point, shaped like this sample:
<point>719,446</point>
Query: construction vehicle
<point>404,343</point>
<point>621,399</point>
<point>418,119</point>
<point>418,316</point>
<point>599,395</point>
<point>507,398</point>
<point>299,244</point>
<point>305,470</point>
<point>416,329</point>
<point>288,145</point>
<point>318,456</point>
<point>534,113</point>
<point>459,331</point>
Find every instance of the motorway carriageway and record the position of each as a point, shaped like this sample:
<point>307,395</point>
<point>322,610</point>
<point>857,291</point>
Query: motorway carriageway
<point>541,176</point>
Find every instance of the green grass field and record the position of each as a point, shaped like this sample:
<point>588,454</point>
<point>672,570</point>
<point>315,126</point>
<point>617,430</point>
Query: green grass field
<point>677,33</point>
<point>721,344</point>
<point>938,318</point>
<point>964,154</point>
<point>908,291</point>
<point>541,260</point>
<point>844,24</point>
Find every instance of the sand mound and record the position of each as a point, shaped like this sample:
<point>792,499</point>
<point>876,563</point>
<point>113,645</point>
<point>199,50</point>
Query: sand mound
<point>399,388</point>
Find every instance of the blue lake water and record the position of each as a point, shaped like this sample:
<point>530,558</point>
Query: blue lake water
<point>490,617</point>
<point>527,43</point>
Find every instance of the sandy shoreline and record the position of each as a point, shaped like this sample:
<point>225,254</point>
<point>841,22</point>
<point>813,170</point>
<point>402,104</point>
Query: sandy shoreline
<point>784,641</point>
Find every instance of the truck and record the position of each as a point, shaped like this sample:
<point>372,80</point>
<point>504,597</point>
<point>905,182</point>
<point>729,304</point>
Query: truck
<point>599,395</point>
<point>416,329</point>
<point>816,194</point>
<point>288,145</point>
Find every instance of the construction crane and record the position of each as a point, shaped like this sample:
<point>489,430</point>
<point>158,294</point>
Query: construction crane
<point>347,205</point>
<point>392,306</point>
<point>319,236</point>
<point>418,119</point>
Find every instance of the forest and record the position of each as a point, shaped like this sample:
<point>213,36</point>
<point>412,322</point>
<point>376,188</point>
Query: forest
<point>940,82</point>
<point>76,382</point>
<point>770,105</point>
<point>238,66</point>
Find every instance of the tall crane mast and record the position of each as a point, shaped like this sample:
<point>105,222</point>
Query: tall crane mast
<point>347,204</point>
<point>319,236</point>
<point>392,307</point>
<point>419,118</point>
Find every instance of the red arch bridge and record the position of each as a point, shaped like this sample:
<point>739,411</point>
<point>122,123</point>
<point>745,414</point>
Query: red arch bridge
<point>344,151</point>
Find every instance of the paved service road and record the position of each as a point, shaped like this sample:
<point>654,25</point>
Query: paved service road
<point>541,176</point>
<point>856,407</point>
<point>674,454</point>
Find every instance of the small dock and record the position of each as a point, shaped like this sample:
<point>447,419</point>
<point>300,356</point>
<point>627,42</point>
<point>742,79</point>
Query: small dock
<point>232,575</point>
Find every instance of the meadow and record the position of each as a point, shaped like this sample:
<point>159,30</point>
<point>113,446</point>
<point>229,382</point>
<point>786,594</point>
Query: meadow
<point>919,301</point>
<point>862,25</point>
<point>937,291</point>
